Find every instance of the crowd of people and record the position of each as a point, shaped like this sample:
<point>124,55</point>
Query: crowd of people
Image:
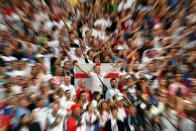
<point>152,42</point>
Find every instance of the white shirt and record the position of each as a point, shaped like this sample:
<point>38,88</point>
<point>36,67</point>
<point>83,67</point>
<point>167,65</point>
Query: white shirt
<point>68,87</point>
<point>80,60</point>
<point>89,118</point>
<point>103,118</point>
<point>52,119</point>
<point>111,93</point>
<point>40,116</point>
<point>124,6</point>
<point>96,83</point>
<point>56,45</point>
<point>16,89</point>
<point>103,22</point>
<point>121,114</point>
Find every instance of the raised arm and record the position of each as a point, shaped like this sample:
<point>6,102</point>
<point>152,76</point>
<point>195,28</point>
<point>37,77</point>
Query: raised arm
<point>114,68</point>
<point>132,53</point>
<point>82,70</point>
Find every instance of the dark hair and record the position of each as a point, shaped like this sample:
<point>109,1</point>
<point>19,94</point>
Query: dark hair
<point>113,80</point>
<point>95,94</point>
<point>88,52</point>
<point>113,108</point>
<point>89,104</point>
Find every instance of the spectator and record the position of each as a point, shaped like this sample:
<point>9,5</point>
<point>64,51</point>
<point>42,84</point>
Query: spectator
<point>114,124</point>
<point>54,119</point>
<point>133,120</point>
<point>113,91</point>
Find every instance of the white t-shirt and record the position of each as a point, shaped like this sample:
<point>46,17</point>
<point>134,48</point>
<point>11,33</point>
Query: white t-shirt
<point>52,119</point>
<point>89,118</point>
<point>96,83</point>
<point>40,116</point>
<point>56,45</point>
<point>121,114</point>
<point>80,60</point>
<point>69,87</point>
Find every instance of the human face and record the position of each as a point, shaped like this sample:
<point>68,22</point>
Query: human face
<point>114,83</point>
<point>130,82</point>
<point>179,77</point>
<point>59,71</point>
<point>97,69</point>
<point>151,67</point>
<point>55,107</point>
<point>67,65</point>
<point>104,105</point>
<point>132,111</point>
<point>68,95</point>
<point>83,97</point>
<point>163,82</point>
<point>24,103</point>
<point>67,80</point>
<point>82,83</point>
<point>79,52</point>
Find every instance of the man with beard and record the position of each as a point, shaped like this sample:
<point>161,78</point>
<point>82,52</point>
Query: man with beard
<point>113,90</point>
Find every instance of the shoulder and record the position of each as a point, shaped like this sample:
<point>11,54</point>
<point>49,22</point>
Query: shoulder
<point>92,74</point>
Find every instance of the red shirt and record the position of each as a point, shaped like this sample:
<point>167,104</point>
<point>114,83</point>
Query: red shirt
<point>79,89</point>
<point>71,124</point>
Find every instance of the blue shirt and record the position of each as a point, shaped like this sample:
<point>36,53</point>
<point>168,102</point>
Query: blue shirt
<point>18,113</point>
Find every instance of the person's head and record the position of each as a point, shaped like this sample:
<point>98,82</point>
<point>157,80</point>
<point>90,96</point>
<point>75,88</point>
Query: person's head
<point>96,96</point>
<point>40,102</point>
<point>114,111</point>
<point>59,71</point>
<point>67,44</point>
<point>76,110</point>
<point>179,77</point>
<point>60,92</point>
<point>113,83</point>
<point>120,103</point>
<point>90,54</point>
<point>83,96</point>
<point>130,81</point>
<point>139,90</point>
<point>89,108</point>
<point>82,83</point>
<point>132,110</point>
<point>23,103</point>
<point>96,60</point>
<point>96,69</point>
<point>68,94</point>
<point>151,67</point>
<point>163,82</point>
<point>78,52</point>
<point>32,98</point>
<point>55,107</point>
<point>156,119</point>
<point>67,65</point>
<point>67,80</point>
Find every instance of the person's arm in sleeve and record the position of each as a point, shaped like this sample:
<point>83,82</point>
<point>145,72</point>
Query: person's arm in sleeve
<point>55,123</point>
<point>114,68</point>
<point>107,95</point>
<point>132,53</point>
<point>82,70</point>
